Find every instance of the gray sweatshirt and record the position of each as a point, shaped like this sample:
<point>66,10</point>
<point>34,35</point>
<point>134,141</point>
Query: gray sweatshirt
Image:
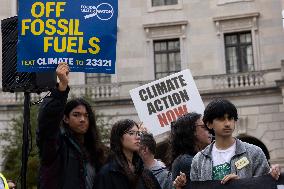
<point>162,174</point>
<point>201,167</point>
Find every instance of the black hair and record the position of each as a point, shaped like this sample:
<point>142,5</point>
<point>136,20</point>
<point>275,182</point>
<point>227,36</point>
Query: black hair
<point>116,148</point>
<point>92,141</point>
<point>182,138</point>
<point>148,140</point>
<point>218,108</point>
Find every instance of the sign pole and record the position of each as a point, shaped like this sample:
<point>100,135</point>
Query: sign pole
<point>25,139</point>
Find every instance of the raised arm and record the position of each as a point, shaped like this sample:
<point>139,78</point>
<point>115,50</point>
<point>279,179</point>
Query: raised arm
<point>51,113</point>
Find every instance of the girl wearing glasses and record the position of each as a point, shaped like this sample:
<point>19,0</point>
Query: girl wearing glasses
<point>125,168</point>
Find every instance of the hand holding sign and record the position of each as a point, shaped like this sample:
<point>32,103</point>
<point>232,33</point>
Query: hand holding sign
<point>62,72</point>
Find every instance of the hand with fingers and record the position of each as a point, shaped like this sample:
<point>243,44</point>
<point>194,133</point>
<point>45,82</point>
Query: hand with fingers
<point>62,73</point>
<point>275,171</point>
<point>11,184</point>
<point>180,181</point>
<point>229,177</point>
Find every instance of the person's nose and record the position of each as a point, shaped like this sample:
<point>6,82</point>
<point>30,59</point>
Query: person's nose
<point>82,118</point>
<point>227,122</point>
<point>137,135</point>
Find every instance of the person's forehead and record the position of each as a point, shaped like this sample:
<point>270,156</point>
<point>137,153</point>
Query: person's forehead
<point>134,128</point>
<point>199,120</point>
<point>79,108</point>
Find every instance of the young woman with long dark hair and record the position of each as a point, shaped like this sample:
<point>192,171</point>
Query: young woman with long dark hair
<point>189,135</point>
<point>125,167</point>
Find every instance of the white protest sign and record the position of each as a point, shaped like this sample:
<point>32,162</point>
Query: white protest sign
<point>162,101</point>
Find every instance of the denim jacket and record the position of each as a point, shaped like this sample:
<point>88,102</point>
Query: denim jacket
<point>202,164</point>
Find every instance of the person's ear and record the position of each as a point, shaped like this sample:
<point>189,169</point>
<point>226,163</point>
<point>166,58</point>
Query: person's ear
<point>66,119</point>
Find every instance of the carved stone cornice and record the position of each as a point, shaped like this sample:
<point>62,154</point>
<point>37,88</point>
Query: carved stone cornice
<point>166,29</point>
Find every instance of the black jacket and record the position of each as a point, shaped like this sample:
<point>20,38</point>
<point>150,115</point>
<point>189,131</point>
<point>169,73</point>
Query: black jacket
<point>111,177</point>
<point>62,165</point>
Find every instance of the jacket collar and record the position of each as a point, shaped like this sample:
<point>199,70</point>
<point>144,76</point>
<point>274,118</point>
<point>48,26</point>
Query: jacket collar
<point>240,148</point>
<point>67,133</point>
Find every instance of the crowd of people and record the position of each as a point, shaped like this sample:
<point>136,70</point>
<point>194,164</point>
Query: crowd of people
<point>201,148</point>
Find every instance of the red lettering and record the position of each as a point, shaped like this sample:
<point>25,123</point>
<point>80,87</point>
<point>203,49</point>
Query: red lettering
<point>181,110</point>
<point>171,115</point>
<point>163,119</point>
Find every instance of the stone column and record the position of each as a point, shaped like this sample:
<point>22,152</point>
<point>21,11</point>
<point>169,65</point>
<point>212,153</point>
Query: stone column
<point>280,83</point>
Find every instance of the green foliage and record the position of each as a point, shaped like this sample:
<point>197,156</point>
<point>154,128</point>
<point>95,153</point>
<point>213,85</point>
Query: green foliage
<point>12,151</point>
<point>104,126</point>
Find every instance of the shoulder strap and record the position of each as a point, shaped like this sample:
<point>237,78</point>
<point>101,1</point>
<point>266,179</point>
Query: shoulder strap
<point>4,181</point>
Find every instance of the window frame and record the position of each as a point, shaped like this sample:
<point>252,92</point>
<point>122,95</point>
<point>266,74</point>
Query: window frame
<point>238,45</point>
<point>238,23</point>
<point>167,52</point>
<point>152,8</point>
<point>164,1</point>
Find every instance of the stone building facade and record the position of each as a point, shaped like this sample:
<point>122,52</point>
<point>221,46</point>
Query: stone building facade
<point>234,49</point>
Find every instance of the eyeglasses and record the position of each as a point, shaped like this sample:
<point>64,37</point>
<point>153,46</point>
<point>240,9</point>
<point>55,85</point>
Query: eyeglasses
<point>132,133</point>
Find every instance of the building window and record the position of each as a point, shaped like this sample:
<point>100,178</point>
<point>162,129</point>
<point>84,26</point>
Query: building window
<point>166,57</point>
<point>164,2</point>
<point>95,78</point>
<point>239,52</point>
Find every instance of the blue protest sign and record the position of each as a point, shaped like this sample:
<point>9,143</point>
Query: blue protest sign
<point>82,33</point>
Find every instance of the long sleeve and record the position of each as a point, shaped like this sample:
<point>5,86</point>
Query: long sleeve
<point>182,164</point>
<point>260,166</point>
<point>49,119</point>
<point>194,168</point>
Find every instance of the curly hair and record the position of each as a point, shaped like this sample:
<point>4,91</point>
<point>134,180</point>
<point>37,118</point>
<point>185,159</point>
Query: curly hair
<point>182,138</point>
<point>218,108</point>
<point>92,141</point>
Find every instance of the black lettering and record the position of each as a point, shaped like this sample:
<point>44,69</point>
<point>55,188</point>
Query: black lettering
<point>142,92</point>
<point>158,106</point>
<point>164,99</point>
<point>182,81</point>
<point>170,85</point>
<point>149,93</point>
<point>171,100</point>
<point>175,80</point>
<point>161,88</point>
<point>151,108</point>
<point>176,98</point>
<point>154,90</point>
<point>184,96</point>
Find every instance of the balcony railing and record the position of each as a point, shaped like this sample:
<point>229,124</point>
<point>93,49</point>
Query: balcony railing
<point>207,83</point>
<point>240,80</point>
<point>94,92</point>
